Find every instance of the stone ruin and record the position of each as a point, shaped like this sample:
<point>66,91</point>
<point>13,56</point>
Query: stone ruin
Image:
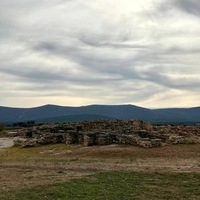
<point>105,132</point>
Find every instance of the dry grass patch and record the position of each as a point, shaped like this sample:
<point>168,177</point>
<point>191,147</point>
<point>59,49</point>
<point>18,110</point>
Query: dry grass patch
<point>27,167</point>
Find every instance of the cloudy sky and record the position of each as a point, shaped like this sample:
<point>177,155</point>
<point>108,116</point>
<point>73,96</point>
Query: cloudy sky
<point>80,52</point>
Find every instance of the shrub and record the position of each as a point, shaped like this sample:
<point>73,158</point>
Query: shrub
<point>2,127</point>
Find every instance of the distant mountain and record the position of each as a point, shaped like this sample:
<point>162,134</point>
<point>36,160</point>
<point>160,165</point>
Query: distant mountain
<point>178,115</point>
<point>53,113</point>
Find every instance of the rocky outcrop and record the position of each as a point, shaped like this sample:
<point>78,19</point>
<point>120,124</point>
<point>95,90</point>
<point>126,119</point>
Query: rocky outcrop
<point>103,132</point>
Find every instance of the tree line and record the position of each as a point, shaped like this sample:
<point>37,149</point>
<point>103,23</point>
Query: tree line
<point>24,124</point>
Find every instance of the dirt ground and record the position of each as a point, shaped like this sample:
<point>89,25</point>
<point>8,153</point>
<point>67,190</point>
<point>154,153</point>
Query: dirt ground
<point>24,168</point>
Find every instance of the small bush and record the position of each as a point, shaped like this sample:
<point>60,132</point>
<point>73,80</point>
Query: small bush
<point>2,127</point>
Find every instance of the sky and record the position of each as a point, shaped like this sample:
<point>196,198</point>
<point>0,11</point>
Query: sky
<point>81,52</point>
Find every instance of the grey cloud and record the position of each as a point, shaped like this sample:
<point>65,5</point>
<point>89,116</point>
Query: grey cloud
<point>190,6</point>
<point>126,68</point>
<point>170,82</point>
<point>81,49</point>
<point>187,6</point>
<point>89,59</point>
<point>178,50</point>
<point>43,76</point>
<point>33,74</point>
<point>96,42</point>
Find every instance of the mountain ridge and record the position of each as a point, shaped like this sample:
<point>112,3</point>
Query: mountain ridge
<point>122,112</point>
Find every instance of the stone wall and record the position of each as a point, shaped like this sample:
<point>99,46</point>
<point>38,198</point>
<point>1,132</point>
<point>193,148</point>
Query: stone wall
<point>105,132</point>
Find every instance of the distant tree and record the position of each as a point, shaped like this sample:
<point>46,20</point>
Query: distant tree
<point>24,124</point>
<point>30,123</point>
<point>2,127</point>
<point>14,124</point>
<point>20,124</point>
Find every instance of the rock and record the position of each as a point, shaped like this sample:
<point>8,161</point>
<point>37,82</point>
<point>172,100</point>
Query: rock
<point>145,143</point>
<point>156,142</point>
<point>22,142</point>
<point>12,134</point>
<point>103,139</point>
<point>71,137</point>
<point>128,139</point>
<point>89,139</point>
<point>105,132</point>
<point>176,139</point>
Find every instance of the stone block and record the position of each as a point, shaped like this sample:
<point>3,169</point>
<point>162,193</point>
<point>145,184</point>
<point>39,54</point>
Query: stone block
<point>89,139</point>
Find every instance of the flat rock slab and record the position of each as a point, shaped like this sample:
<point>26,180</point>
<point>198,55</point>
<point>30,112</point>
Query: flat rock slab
<point>6,143</point>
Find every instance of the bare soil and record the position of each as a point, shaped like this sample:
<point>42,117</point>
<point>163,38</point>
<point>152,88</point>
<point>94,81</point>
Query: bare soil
<point>25,168</point>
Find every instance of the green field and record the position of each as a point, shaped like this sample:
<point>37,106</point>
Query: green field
<point>117,185</point>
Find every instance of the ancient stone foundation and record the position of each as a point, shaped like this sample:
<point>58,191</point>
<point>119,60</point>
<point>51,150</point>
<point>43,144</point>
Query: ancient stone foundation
<point>134,132</point>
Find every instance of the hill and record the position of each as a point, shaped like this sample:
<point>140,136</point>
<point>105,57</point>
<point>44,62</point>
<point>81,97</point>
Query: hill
<point>53,113</point>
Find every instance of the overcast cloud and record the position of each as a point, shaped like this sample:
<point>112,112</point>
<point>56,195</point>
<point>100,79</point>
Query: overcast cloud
<point>80,52</point>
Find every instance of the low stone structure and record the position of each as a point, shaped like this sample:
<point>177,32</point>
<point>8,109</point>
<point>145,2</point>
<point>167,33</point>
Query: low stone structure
<point>105,132</point>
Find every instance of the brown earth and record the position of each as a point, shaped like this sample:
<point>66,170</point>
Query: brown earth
<point>27,167</point>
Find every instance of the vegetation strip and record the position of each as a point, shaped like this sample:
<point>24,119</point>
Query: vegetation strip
<point>117,185</point>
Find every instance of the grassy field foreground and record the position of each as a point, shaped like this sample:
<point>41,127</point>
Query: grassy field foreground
<point>117,185</point>
<point>104,172</point>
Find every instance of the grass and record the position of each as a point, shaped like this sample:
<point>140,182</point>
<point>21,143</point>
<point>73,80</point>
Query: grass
<point>32,154</point>
<point>54,171</point>
<point>117,185</point>
<point>48,152</point>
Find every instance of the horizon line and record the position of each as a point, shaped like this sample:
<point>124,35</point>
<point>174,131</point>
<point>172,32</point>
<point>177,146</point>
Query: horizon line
<point>78,106</point>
